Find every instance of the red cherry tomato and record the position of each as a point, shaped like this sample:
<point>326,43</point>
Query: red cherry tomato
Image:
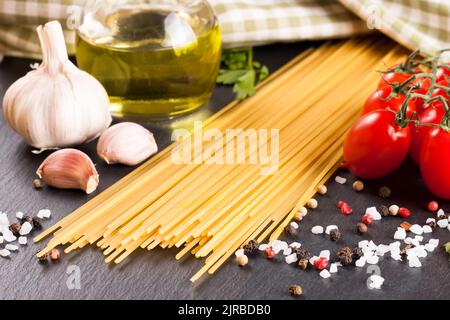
<point>432,114</point>
<point>434,162</point>
<point>422,84</point>
<point>393,76</point>
<point>439,91</point>
<point>442,74</point>
<point>375,146</point>
<point>375,102</point>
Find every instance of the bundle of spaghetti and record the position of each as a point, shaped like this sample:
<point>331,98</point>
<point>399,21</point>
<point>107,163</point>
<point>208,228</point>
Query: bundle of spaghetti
<point>214,209</point>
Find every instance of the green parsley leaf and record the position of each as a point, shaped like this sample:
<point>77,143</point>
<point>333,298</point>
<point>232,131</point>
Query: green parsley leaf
<point>239,69</point>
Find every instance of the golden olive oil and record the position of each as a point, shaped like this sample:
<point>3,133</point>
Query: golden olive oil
<point>155,62</point>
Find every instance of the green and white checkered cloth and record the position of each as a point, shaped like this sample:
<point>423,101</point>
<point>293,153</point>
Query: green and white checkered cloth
<point>423,24</point>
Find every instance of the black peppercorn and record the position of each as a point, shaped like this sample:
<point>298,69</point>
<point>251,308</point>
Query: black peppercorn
<point>357,253</point>
<point>384,210</point>
<point>344,251</point>
<point>15,228</point>
<point>26,219</point>
<point>250,247</point>
<point>295,290</point>
<point>384,192</point>
<point>303,264</point>
<point>335,235</point>
<point>290,230</point>
<point>345,259</point>
<point>37,223</point>
<point>301,253</point>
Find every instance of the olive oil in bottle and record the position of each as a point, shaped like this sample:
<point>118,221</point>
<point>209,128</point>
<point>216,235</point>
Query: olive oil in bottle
<point>152,61</point>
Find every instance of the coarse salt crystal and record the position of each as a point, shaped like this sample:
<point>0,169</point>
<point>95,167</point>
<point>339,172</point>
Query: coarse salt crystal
<point>263,247</point>
<point>4,221</point>
<point>9,236</point>
<point>313,259</point>
<point>400,234</point>
<point>415,242</point>
<point>396,256</point>
<point>363,243</point>
<point>278,246</point>
<point>325,274</point>
<point>11,247</point>
<point>419,238</point>
<point>23,240</point>
<point>372,211</point>
<point>429,247</point>
<point>295,245</point>
<point>416,229</point>
<point>25,229</point>
<point>434,242</point>
<point>329,228</point>
<point>373,260</point>
<point>317,230</point>
<point>291,258</point>
<point>361,262</point>
<point>443,223</point>
<point>430,220</point>
<point>408,240</point>
<point>340,180</point>
<point>372,246</point>
<point>382,249</point>
<point>44,213</point>
<point>238,253</point>
<point>4,253</point>
<point>414,262</point>
<point>427,229</point>
<point>1,239</point>
<point>325,254</point>
<point>376,281</point>
<point>333,268</point>
<point>19,214</point>
<point>287,251</point>
<point>440,212</point>
<point>294,225</point>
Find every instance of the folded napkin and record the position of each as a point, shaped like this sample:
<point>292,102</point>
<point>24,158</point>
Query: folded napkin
<point>416,24</point>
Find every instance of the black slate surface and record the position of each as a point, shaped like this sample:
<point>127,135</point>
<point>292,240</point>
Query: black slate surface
<point>156,275</point>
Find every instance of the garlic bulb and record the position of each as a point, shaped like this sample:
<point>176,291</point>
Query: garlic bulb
<point>57,104</point>
<point>69,169</point>
<point>126,143</point>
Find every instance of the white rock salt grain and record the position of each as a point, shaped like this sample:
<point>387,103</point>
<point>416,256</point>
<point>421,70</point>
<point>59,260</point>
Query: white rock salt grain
<point>393,210</point>
<point>361,262</point>
<point>8,236</point>
<point>291,258</point>
<point>4,221</point>
<point>427,229</point>
<point>434,242</point>
<point>238,253</point>
<point>1,239</point>
<point>429,247</point>
<point>295,245</point>
<point>44,213</point>
<point>263,247</point>
<point>287,251</point>
<point>443,223</point>
<point>414,262</point>
<point>340,180</point>
<point>25,229</point>
<point>317,230</point>
<point>313,259</point>
<point>415,243</point>
<point>416,229</point>
<point>372,211</point>
<point>373,260</point>
<point>329,228</point>
<point>23,241</point>
<point>430,220</point>
<point>5,253</point>
<point>408,240</point>
<point>396,256</point>
<point>333,268</point>
<point>375,281</point>
<point>363,243</point>
<point>419,238</point>
<point>11,247</point>
<point>382,249</point>
<point>19,214</point>
<point>400,234</point>
<point>325,254</point>
<point>278,246</point>
<point>325,274</point>
<point>440,212</point>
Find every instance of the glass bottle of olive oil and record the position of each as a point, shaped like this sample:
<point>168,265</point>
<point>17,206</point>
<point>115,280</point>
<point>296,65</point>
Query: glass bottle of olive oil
<point>155,58</point>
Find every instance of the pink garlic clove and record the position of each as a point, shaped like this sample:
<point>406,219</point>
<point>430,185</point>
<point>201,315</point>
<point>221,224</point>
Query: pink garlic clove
<point>69,169</point>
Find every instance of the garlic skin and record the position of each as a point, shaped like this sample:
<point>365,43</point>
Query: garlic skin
<point>56,105</point>
<point>126,143</point>
<point>69,169</point>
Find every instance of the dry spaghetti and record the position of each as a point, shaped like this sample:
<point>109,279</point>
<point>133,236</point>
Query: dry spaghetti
<point>214,209</point>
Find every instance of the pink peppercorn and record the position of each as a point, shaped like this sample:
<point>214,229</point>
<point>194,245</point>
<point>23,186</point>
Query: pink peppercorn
<point>404,213</point>
<point>269,253</point>
<point>433,206</point>
<point>367,219</point>
<point>321,263</point>
<point>346,209</point>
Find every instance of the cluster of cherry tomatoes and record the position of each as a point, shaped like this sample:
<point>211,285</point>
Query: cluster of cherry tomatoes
<point>407,114</point>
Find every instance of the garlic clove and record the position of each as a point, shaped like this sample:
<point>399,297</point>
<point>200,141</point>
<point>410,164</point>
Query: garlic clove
<point>126,143</point>
<point>69,169</point>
